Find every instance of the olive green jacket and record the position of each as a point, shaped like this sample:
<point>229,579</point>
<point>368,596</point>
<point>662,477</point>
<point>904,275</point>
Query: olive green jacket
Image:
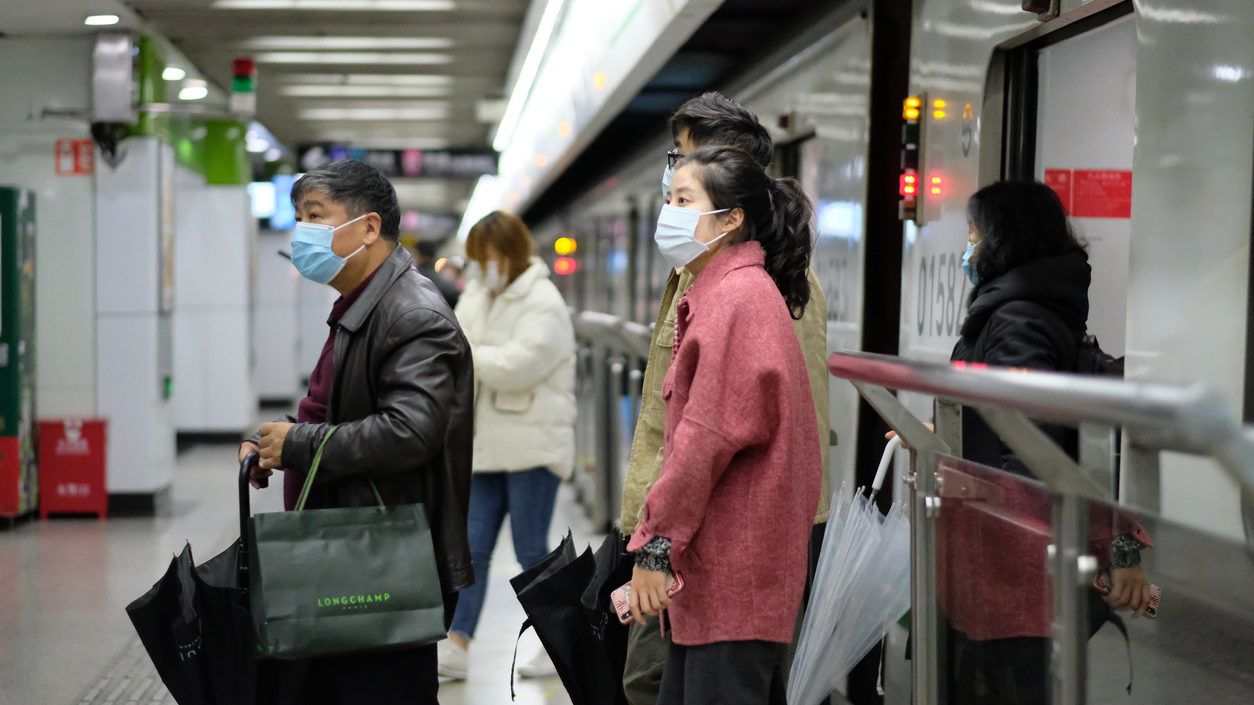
<point>645,463</point>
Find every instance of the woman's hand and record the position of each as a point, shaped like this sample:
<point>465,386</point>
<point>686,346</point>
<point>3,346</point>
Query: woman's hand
<point>648,593</point>
<point>1129,591</point>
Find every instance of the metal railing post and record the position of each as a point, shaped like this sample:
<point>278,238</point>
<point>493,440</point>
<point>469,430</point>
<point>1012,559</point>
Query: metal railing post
<point>1073,570</point>
<point>925,449</point>
<point>1098,453</point>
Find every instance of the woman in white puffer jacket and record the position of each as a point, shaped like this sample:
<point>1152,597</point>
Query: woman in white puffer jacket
<point>523,344</point>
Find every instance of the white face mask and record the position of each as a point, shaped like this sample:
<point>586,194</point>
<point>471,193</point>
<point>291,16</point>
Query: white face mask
<point>667,174</point>
<point>492,277</point>
<point>676,235</point>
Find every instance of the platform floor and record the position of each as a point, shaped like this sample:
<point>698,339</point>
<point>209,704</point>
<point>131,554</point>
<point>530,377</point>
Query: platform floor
<point>64,584</point>
<point>65,637</point>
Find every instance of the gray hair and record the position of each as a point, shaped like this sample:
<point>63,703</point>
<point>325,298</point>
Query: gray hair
<point>359,187</point>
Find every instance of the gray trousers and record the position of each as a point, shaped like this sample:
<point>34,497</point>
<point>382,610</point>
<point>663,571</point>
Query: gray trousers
<point>725,673</point>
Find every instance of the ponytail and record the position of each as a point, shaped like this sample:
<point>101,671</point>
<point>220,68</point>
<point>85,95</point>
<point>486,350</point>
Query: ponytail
<point>778,215</point>
<point>788,243</point>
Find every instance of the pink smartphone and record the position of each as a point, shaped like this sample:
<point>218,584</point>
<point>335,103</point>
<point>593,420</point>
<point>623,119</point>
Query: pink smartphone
<point>618,598</point>
<point>1102,584</point>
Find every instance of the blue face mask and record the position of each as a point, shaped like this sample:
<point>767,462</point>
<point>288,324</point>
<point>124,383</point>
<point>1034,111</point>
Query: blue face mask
<point>969,269</point>
<point>312,254</point>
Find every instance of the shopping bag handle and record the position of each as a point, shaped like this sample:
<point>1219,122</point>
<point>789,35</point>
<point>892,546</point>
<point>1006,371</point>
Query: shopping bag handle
<point>313,471</point>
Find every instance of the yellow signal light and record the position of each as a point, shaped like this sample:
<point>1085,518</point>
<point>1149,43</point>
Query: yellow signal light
<point>564,246</point>
<point>914,102</point>
<point>911,113</point>
<point>938,103</point>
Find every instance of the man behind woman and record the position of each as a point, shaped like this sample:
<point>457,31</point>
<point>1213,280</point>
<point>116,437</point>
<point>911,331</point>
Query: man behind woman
<point>707,120</point>
<point>732,510</point>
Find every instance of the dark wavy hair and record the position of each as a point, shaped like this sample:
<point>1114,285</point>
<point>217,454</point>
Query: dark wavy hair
<point>713,118</point>
<point>778,215</point>
<point>1018,222</point>
<point>359,187</point>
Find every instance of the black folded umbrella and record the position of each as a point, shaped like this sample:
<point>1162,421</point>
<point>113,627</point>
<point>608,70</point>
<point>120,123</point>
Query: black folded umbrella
<point>613,570</point>
<point>196,626</point>
<point>575,637</point>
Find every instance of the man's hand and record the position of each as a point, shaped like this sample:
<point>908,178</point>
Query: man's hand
<point>256,474</point>
<point>272,437</point>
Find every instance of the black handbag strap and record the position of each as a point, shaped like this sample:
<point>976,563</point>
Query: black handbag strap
<point>513,664</point>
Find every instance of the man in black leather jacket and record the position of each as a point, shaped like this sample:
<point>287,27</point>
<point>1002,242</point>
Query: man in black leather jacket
<point>395,377</point>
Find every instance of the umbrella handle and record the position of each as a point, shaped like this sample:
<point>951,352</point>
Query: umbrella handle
<point>246,465</point>
<point>885,461</point>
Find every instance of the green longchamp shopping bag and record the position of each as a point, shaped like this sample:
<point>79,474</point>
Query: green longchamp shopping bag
<point>329,582</point>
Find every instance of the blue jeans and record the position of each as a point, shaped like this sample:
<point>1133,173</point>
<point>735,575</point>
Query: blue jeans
<point>527,497</point>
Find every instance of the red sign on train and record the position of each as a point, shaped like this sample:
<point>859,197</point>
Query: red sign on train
<point>1101,193</point>
<point>1093,193</point>
<point>1060,181</point>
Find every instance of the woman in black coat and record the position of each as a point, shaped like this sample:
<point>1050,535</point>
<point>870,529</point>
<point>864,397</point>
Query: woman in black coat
<point>1028,309</point>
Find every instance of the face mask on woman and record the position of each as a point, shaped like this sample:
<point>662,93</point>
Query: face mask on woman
<point>492,277</point>
<point>676,235</point>
<point>968,268</point>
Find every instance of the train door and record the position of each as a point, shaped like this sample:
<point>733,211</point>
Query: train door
<point>820,103</point>
<point>1077,136</point>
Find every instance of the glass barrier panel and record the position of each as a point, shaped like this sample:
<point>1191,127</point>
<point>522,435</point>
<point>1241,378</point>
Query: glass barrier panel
<point>993,588</point>
<point>1200,646</point>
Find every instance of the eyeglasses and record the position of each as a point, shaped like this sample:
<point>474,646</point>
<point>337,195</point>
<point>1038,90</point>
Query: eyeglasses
<point>672,158</point>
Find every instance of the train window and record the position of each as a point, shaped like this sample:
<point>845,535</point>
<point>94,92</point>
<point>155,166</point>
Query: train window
<point>1078,137</point>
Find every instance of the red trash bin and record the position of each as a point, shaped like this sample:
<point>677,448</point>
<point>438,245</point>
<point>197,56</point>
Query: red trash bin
<point>72,467</point>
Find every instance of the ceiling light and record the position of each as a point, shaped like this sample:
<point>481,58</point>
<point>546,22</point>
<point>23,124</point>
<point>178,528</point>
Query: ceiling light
<point>342,91</point>
<point>101,20</point>
<point>342,5</point>
<point>173,73</point>
<point>341,43</point>
<point>374,114</point>
<point>256,144</point>
<point>369,79</point>
<point>352,57</point>
<point>527,74</point>
<point>193,89</point>
<point>273,154</point>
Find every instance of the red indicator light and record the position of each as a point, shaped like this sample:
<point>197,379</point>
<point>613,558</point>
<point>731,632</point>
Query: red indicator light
<point>565,265</point>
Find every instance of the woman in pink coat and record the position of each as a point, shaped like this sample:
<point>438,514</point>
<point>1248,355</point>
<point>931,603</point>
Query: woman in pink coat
<point>731,513</point>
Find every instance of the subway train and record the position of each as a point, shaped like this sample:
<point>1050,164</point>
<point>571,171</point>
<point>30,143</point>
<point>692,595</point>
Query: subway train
<point>891,119</point>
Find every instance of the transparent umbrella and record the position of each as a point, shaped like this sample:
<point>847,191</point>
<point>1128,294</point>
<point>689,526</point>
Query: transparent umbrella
<point>861,586</point>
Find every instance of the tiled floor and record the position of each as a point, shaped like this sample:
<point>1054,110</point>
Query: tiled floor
<point>65,637</point>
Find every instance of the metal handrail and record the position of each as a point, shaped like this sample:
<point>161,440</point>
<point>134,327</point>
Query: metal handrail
<point>617,334</point>
<point>1191,419</point>
<point>1153,416</point>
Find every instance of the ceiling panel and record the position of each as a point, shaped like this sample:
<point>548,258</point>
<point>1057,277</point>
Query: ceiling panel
<point>371,78</point>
